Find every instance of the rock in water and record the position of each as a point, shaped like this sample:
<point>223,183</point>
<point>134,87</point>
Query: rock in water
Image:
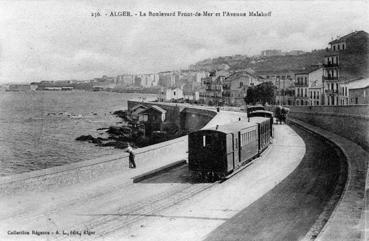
<point>85,138</point>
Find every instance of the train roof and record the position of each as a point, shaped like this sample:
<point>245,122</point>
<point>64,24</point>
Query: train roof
<point>262,111</point>
<point>238,125</point>
<point>255,107</point>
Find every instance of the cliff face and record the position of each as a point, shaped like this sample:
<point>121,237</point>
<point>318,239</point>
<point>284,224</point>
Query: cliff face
<point>259,63</point>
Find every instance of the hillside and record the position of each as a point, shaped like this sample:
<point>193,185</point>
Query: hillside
<point>273,63</point>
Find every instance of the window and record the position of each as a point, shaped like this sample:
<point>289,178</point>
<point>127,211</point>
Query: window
<point>241,84</point>
<point>203,141</point>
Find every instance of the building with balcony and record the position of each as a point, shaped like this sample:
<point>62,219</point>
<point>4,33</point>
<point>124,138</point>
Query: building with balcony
<point>309,86</point>
<point>346,59</point>
<point>301,88</point>
<point>212,93</point>
<point>283,80</point>
<point>235,87</point>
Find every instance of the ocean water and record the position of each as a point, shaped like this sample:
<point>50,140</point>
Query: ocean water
<point>38,129</point>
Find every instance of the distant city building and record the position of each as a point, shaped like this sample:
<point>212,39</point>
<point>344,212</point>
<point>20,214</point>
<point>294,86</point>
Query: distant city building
<point>281,79</point>
<point>346,59</point>
<point>191,95</point>
<point>104,82</point>
<point>271,52</point>
<point>309,86</point>
<point>315,91</point>
<point>170,94</point>
<point>167,79</point>
<point>235,87</point>
<point>284,82</point>
<point>149,80</point>
<point>125,80</point>
<point>213,88</point>
<point>294,52</point>
<point>18,87</point>
<point>189,92</point>
<point>201,75</point>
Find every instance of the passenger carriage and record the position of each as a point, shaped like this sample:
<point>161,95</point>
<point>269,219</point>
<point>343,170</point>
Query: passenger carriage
<point>217,152</point>
<point>266,114</point>
<point>251,109</point>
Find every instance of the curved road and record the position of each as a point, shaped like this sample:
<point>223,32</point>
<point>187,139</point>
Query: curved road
<point>292,207</point>
<point>259,203</point>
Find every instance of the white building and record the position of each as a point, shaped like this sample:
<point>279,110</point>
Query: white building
<point>192,95</point>
<point>149,80</point>
<point>309,87</point>
<point>170,94</point>
<point>200,75</point>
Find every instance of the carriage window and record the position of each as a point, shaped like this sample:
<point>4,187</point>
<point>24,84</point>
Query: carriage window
<point>203,141</point>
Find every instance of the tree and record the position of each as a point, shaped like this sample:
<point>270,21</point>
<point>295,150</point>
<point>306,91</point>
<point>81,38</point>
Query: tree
<point>251,97</point>
<point>263,93</point>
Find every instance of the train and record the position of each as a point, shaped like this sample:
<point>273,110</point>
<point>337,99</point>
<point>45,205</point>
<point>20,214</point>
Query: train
<point>219,152</point>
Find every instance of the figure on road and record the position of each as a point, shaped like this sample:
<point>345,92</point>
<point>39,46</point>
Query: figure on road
<point>132,163</point>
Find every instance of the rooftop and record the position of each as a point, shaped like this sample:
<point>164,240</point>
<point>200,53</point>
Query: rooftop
<point>358,84</point>
<point>347,36</point>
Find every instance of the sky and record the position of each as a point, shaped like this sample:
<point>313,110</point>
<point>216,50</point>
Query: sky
<point>56,40</point>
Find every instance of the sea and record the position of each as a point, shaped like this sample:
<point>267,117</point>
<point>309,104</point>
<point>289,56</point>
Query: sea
<point>38,128</point>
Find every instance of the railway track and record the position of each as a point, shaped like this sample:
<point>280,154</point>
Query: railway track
<point>104,224</point>
<point>134,212</point>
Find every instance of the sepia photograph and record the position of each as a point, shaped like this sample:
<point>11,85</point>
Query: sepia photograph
<point>163,120</point>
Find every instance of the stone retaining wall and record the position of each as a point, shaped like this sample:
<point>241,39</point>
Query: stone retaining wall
<point>86,171</point>
<point>351,122</point>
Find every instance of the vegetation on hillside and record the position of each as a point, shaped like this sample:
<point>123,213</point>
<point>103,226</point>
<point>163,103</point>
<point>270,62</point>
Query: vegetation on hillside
<point>259,63</point>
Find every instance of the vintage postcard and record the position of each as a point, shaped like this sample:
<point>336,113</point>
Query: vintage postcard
<point>184,120</point>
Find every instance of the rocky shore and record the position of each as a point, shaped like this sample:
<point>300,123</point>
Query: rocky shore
<point>129,131</point>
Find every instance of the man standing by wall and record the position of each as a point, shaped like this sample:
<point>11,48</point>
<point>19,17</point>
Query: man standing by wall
<point>132,163</point>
